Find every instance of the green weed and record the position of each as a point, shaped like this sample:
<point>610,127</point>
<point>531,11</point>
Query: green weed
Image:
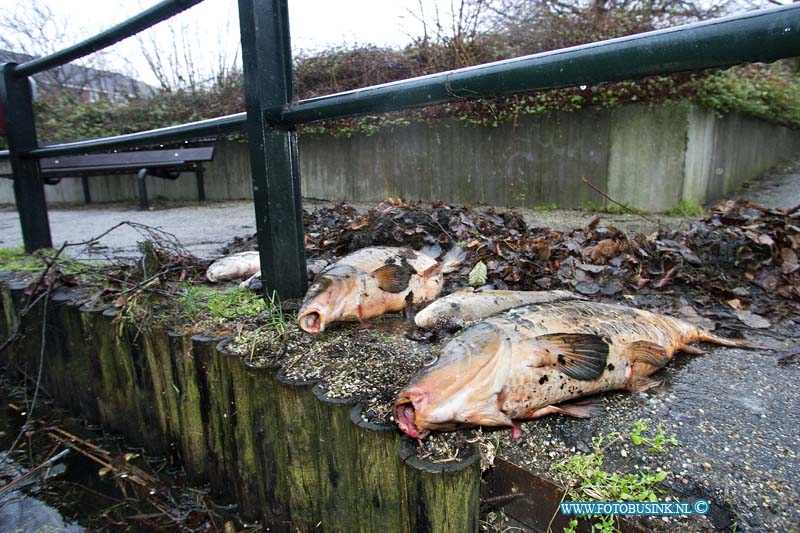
<point>590,481</point>
<point>224,304</point>
<point>15,259</point>
<point>686,209</point>
<point>546,207</point>
<point>612,209</point>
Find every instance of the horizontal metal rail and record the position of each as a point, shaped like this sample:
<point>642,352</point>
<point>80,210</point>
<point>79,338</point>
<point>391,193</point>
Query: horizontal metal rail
<point>192,130</point>
<point>764,35</point>
<point>121,31</point>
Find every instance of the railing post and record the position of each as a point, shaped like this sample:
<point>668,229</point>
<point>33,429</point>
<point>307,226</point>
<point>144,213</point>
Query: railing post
<point>28,185</point>
<point>267,62</point>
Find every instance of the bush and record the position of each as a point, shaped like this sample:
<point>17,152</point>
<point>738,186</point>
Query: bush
<point>770,92</point>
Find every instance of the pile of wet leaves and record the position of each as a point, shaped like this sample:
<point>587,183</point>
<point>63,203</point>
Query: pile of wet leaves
<point>743,255</point>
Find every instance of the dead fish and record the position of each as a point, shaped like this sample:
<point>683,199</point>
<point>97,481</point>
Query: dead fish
<point>234,267</point>
<point>247,266</point>
<point>525,362</point>
<point>372,281</point>
<point>468,305</point>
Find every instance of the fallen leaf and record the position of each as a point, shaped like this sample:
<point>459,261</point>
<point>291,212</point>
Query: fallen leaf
<point>592,268</point>
<point>735,303</point>
<point>789,264</point>
<point>587,288</point>
<point>753,320</point>
<point>478,274</point>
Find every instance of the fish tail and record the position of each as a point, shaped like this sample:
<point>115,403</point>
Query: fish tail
<point>733,343</point>
<point>453,259</point>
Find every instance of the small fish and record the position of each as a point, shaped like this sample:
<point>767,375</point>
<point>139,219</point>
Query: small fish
<point>468,305</point>
<point>372,281</point>
<point>234,267</point>
<point>525,362</point>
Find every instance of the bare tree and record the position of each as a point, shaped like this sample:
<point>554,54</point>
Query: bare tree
<point>33,30</point>
<point>179,58</point>
<point>540,25</point>
<point>455,35</point>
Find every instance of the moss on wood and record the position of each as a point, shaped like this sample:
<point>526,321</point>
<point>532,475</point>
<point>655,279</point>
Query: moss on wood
<point>287,453</point>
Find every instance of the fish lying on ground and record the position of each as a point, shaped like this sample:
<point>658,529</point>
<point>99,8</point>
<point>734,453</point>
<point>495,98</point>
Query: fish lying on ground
<point>525,362</point>
<point>234,267</point>
<point>468,305</point>
<point>372,281</point>
<point>246,266</point>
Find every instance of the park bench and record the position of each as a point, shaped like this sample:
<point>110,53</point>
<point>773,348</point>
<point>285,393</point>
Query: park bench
<point>165,164</point>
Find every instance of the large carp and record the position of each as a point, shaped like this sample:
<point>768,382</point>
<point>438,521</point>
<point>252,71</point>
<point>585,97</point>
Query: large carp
<point>372,281</point>
<point>526,362</point>
<point>467,305</point>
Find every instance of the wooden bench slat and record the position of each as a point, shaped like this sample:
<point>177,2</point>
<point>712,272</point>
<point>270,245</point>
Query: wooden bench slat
<point>127,160</point>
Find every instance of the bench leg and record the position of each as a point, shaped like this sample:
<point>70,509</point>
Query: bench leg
<point>201,187</point>
<point>87,196</point>
<point>140,180</point>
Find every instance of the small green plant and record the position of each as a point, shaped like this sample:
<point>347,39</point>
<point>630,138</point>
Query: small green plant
<point>15,259</point>
<point>589,481</point>
<point>546,207</point>
<point>221,304</point>
<point>611,209</point>
<point>687,209</point>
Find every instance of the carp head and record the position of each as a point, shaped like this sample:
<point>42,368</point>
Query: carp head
<point>331,294</point>
<point>460,388</point>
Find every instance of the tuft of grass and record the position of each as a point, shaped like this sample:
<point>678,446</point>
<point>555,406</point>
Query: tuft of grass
<point>546,207</point>
<point>611,209</point>
<point>590,481</point>
<point>686,209</point>
<point>234,302</point>
<point>15,259</point>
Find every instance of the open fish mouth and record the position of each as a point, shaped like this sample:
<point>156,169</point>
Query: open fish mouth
<point>404,415</point>
<point>311,321</point>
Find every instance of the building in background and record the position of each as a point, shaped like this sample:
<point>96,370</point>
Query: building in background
<point>88,84</point>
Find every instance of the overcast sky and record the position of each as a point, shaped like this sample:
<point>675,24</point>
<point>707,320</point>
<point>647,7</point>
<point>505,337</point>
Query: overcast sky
<point>315,24</point>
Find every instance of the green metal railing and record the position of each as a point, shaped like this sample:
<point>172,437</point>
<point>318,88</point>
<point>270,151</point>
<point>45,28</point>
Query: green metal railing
<point>271,117</point>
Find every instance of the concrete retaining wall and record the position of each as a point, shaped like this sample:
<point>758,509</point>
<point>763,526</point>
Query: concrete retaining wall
<point>650,157</point>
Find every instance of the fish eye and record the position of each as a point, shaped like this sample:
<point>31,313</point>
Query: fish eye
<point>430,360</point>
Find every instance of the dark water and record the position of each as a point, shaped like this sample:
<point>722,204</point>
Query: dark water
<point>71,495</point>
<point>23,508</point>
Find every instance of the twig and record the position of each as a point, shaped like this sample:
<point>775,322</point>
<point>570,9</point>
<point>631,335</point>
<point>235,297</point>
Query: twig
<point>49,461</point>
<point>623,206</point>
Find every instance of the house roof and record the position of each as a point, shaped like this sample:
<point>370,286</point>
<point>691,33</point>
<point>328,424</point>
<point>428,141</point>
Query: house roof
<point>85,78</point>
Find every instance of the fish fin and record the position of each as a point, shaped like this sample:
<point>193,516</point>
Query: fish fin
<point>392,278</point>
<point>578,355</point>
<point>585,409</point>
<point>641,384</point>
<point>516,430</point>
<point>648,352</point>
<point>732,343</point>
<point>453,259</point>
<point>409,309</point>
<point>432,250</point>
<point>693,350</point>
